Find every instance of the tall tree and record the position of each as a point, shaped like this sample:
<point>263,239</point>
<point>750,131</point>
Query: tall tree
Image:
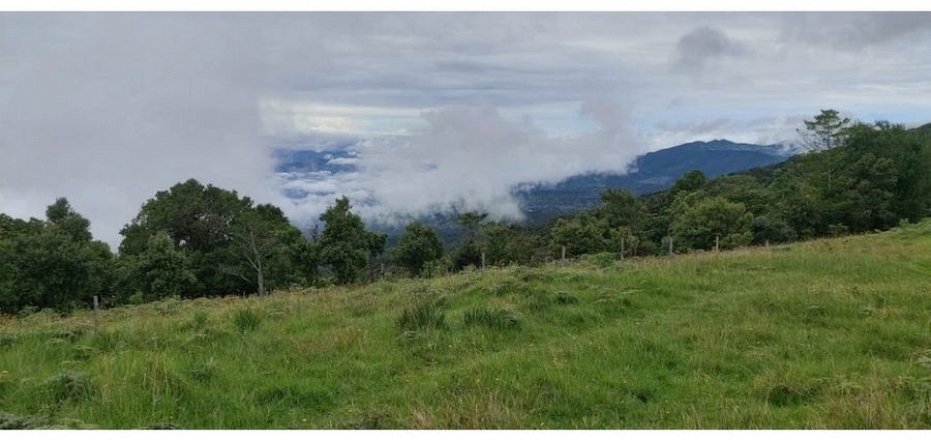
<point>826,131</point>
<point>265,241</point>
<point>345,244</point>
<point>698,225</point>
<point>418,246</point>
<point>229,244</point>
<point>469,251</point>
<point>53,263</point>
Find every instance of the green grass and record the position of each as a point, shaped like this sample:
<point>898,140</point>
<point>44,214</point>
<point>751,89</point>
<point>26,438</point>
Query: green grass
<point>823,334</point>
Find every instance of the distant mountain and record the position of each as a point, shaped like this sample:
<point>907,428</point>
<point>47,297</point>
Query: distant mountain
<point>650,173</point>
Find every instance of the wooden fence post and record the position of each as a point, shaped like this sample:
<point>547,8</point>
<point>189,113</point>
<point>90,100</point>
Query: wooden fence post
<point>622,249</point>
<point>96,313</point>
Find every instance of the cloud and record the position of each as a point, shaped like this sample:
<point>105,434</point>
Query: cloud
<point>855,31</point>
<point>702,45</point>
<point>471,158</point>
<point>107,110</point>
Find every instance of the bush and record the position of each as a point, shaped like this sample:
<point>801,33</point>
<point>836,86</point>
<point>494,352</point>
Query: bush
<point>601,259</point>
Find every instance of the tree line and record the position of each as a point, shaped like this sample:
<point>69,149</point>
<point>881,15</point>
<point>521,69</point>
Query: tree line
<point>194,240</point>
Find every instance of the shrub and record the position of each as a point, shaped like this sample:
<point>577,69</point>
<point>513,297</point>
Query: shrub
<point>601,259</point>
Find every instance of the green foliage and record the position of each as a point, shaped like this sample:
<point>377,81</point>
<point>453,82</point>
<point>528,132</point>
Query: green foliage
<point>345,244</point>
<point>160,271</point>
<point>690,182</point>
<point>584,233</point>
<point>696,226</point>
<point>771,229</point>
<point>621,209</point>
<point>418,246</point>
<point>196,240</point>
<point>53,263</point>
<point>601,259</point>
<point>469,252</point>
<point>826,131</point>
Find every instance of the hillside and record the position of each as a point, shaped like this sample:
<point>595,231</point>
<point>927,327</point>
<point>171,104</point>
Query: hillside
<point>822,334</point>
<point>651,172</point>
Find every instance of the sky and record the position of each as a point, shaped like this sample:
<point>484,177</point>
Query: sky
<point>442,110</point>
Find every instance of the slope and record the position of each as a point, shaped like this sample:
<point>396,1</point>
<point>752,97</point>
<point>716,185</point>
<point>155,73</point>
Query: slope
<point>822,334</point>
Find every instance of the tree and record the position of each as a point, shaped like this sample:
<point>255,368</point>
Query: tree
<point>231,246</point>
<point>418,246</point>
<point>621,209</point>
<point>161,270</point>
<point>469,251</point>
<point>699,224</point>
<point>345,244</point>
<point>52,263</point>
<point>586,233</point>
<point>266,244</point>
<point>826,131</point>
<point>689,182</point>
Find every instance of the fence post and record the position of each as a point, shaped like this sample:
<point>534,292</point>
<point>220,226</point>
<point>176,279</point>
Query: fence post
<point>564,254</point>
<point>96,312</point>
<point>717,243</point>
<point>483,260</point>
<point>670,245</point>
<point>622,249</point>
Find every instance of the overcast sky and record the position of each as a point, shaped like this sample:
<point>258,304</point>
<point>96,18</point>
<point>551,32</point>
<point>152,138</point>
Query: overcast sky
<point>443,109</point>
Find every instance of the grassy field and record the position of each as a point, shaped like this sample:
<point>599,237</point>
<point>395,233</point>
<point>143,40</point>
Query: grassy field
<point>823,334</point>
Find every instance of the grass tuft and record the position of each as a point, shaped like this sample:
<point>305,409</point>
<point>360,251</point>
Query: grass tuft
<point>427,314</point>
<point>494,319</point>
<point>246,320</point>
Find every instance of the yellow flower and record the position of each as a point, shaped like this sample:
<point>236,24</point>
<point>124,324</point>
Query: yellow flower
<point>304,420</point>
